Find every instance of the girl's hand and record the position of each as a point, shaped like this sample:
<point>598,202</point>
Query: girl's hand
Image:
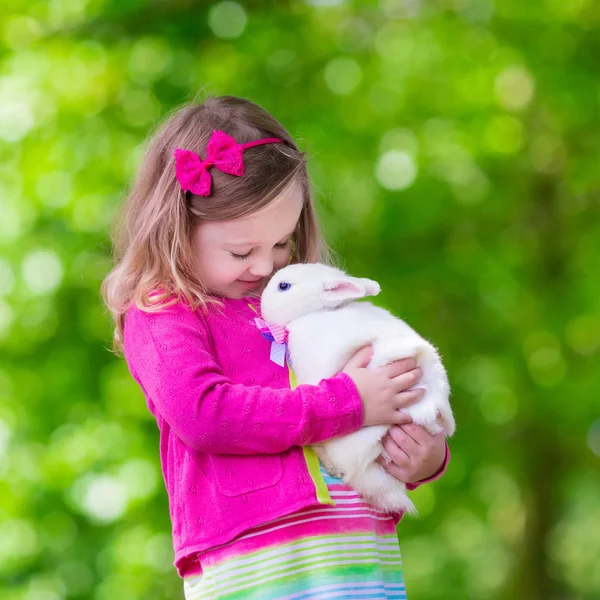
<point>383,390</point>
<point>415,453</point>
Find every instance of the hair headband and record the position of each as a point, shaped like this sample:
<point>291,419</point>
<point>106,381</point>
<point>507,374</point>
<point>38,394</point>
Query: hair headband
<point>222,152</point>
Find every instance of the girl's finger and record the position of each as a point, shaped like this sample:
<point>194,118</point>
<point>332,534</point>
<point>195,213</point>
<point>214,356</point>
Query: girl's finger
<point>408,379</point>
<point>402,440</point>
<point>396,453</point>
<point>399,473</point>
<point>418,433</point>
<point>362,358</point>
<point>404,399</point>
<point>400,418</point>
<point>384,464</point>
<point>411,432</point>
<point>387,466</point>
<point>398,367</point>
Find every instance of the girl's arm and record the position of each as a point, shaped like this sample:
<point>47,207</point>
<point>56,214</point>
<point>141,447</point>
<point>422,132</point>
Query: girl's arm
<point>169,355</point>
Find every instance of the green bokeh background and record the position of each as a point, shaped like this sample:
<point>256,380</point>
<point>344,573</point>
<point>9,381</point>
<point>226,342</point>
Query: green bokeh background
<point>454,148</point>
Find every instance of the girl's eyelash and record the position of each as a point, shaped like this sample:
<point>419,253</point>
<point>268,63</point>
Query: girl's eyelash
<point>243,256</point>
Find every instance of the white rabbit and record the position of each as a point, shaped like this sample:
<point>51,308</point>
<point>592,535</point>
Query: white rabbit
<point>325,328</point>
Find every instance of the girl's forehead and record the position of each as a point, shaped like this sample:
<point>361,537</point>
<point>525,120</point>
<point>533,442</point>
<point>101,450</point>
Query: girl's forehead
<point>274,222</point>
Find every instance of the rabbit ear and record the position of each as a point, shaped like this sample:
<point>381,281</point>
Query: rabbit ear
<point>337,291</point>
<point>372,288</point>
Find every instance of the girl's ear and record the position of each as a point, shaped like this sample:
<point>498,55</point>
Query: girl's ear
<point>337,291</point>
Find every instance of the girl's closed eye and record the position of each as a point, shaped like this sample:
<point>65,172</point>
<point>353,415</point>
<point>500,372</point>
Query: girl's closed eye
<point>280,246</point>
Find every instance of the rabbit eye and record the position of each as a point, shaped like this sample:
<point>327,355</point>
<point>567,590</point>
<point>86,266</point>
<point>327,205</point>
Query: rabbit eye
<point>284,286</point>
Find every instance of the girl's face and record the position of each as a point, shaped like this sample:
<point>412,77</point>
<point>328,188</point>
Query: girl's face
<point>236,258</point>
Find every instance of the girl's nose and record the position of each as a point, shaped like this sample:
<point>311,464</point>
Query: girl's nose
<point>262,266</point>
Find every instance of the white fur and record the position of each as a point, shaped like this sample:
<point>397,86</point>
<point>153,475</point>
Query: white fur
<point>325,330</point>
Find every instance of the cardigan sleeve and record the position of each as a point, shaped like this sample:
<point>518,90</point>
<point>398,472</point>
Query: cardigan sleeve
<point>170,356</point>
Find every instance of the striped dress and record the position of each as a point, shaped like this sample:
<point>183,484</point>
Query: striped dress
<point>344,552</point>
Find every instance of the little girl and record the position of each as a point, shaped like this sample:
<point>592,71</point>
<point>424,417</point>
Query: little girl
<point>222,201</point>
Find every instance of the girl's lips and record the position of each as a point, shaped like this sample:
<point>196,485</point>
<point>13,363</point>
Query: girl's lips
<point>250,283</point>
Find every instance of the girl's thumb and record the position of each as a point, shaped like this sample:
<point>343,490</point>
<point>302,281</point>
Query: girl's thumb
<point>362,358</point>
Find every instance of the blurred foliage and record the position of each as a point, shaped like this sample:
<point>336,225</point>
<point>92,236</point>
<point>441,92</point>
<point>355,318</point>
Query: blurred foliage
<point>454,147</point>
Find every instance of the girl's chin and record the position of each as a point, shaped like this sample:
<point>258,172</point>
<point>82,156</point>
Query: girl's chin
<point>238,290</point>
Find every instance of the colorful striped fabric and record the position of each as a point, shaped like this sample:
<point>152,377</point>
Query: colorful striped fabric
<point>344,552</point>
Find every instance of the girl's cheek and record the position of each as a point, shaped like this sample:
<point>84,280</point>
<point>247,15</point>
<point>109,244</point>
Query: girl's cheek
<point>238,269</point>
<point>283,259</point>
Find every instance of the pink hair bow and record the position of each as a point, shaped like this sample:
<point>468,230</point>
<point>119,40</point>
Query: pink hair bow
<point>222,152</point>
